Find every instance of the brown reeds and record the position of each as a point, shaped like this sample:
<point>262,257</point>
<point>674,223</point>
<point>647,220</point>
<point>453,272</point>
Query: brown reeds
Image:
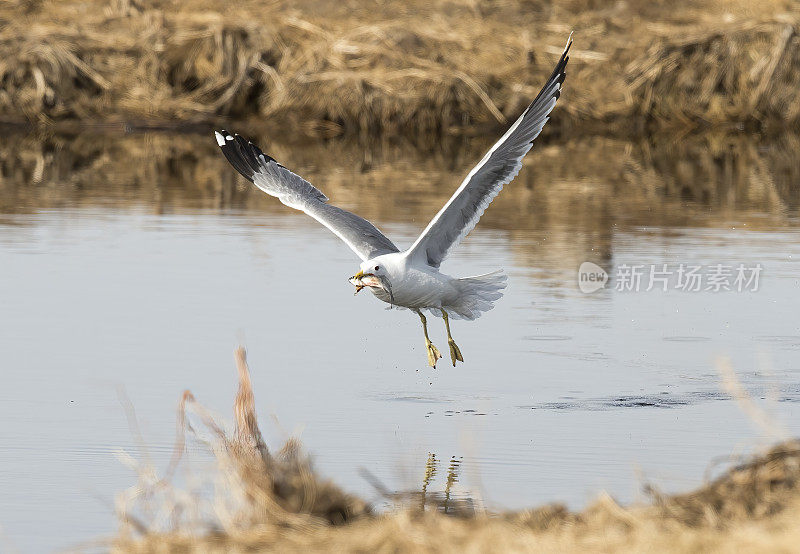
<point>713,74</point>
<point>256,488</point>
<point>275,501</point>
<point>413,68</point>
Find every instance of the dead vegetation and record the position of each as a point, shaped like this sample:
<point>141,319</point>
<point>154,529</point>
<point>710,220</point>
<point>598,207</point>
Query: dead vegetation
<point>413,68</point>
<point>275,501</point>
<point>738,72</point>
<point>255,488</point>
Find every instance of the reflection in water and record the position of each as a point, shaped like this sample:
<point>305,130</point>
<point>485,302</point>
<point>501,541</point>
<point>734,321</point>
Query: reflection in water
<point>134,260</point>
<point>430,472</point>
<point>452,479</point>
<point>570,199</point>
<point>450,500</point>
<point>447,501</point>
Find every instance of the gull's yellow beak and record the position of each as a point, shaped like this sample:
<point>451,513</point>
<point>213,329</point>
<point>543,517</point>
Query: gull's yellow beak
<point>358,275</point>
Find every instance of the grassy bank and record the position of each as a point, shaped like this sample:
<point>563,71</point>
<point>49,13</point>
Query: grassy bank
<point>324,68</point>
<point>274,501</point>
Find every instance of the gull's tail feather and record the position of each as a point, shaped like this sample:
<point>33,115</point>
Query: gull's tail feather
<point>477,295</point>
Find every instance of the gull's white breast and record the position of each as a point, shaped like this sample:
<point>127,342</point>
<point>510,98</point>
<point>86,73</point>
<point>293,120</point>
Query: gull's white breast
<point>415,288</point>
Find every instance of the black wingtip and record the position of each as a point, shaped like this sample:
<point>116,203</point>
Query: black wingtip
<point>235,154</point>
<point>559,73</point>
<point>243,155</point>
<point>562,62</point>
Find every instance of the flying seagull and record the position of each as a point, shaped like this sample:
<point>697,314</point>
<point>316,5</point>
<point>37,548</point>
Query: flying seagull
<point>411,278</point>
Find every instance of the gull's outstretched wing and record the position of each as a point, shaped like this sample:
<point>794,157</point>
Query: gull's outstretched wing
<point>294,191</point>
<point>498,167</point>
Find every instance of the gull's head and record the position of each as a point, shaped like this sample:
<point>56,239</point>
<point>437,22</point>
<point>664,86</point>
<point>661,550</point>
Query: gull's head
<point>372,274</point>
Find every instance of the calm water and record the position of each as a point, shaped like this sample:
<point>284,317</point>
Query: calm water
<point>141,261</point>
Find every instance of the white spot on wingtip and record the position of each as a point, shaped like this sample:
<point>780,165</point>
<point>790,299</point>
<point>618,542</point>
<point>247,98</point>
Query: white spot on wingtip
<point>229,137</point>
<point>220,139</point>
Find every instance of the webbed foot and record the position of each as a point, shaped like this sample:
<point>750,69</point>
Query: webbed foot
<point>455,352</point>
<point>433,353</point>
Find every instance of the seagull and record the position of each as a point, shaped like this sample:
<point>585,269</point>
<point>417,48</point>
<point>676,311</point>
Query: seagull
<point>411,278</point>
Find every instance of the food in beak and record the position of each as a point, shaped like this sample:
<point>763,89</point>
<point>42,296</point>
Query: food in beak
<point>361,281</point>
<point>357,282</point>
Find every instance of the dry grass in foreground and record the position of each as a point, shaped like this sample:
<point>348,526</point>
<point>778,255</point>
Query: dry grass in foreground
<point>274,501</point>
<point>416,68</point>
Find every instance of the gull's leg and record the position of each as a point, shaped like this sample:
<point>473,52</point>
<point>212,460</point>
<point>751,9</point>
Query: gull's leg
<point>455,352</point>
<point>433,352</point>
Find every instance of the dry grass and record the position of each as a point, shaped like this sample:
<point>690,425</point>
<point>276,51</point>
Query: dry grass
<point>416,68</point>
<point>265,501</point>
<point>254,487</point>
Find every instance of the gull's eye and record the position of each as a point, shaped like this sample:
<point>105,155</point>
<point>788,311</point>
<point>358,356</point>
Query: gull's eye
<point>377,268</point>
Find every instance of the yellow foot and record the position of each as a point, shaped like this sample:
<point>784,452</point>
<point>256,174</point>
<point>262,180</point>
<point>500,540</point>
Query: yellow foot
<point>455,352</point>
<point>433,353</point>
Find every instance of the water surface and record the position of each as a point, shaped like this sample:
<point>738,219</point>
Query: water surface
<point>139,262</point>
